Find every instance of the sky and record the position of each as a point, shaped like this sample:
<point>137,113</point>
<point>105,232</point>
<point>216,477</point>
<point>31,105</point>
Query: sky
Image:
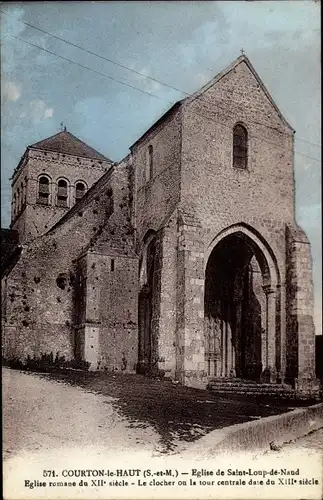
<point>182,44</point>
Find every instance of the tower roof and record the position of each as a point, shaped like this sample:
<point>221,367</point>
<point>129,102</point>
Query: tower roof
<point>65,142</point>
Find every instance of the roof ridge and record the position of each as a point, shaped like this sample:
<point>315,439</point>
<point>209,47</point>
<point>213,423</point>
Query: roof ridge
<point>63,142</point>
<point>224,72</point>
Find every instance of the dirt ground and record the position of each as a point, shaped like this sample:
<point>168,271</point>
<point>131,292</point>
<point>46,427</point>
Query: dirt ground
<point>123,412</point>
<point>176,413</point>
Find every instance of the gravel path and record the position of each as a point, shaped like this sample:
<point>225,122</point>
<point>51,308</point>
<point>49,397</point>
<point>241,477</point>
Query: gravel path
<point>44,416</point>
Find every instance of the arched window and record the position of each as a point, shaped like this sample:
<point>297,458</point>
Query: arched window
<point>150,163</point>
<point>22,187</point>
<point>79,191</point>
<point>240,147</point>
<point>43,191</point>
<point>14,208</point>
<point>18,200</point>
<point>25,192</point>
<point>62,193</point>
<point>109,203</point>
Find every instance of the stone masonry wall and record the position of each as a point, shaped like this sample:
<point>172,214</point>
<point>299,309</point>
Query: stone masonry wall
<point>300,326</point>
<point>190,342</point>
<point>40,311</point>
<point>110,271</point>
<point>157,197</point>
<point>261,195</point>
<point>118,313</point>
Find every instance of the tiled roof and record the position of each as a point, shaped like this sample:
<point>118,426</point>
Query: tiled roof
<point>65,142</point>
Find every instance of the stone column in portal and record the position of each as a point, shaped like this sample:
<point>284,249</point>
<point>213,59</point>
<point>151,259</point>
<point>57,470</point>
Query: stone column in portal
<point>271,334</point>
<point>269,373</point>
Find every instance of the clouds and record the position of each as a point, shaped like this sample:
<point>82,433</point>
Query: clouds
<point>38,111</point>
<point>146,84</point>
<point>309,215</point>
<point>11,21</point>
<point>11,91</point>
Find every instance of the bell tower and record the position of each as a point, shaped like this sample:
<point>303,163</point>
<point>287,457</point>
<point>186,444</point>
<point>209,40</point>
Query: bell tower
<point>51,177</point>
<point>19,197</point>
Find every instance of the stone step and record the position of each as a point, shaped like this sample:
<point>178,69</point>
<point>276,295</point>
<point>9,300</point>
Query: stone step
<point>283,395</point>
<point>255,393</point>
<point>286,394</point>
<point>246,387</point>
<point>249,387</point>
<point>219,383</point>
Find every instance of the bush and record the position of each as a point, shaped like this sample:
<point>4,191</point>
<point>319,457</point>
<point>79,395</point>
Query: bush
<point>46,363</point>
<point>13,363</point>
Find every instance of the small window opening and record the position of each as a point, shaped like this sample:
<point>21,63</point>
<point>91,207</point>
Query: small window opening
<point>18,200</point>
<point>23,194</point>
<point>150,163</point>
<point>14,204</point>
<point>112,265</point>
<point>43,191</point>
<point>62,193</point>
<point>109,203</point>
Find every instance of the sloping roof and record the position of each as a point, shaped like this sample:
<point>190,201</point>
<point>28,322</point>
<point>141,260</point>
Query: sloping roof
<point>218,77</point>
<point>158,122</point>
<point>65,142</point>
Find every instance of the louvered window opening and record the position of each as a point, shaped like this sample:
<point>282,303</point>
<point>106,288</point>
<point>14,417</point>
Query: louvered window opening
<point>43,191</point>
<point>79,192</point>
<point>44,188</point>
<point>62,194</point>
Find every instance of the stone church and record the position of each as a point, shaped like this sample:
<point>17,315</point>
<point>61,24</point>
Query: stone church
<point>184,259</point>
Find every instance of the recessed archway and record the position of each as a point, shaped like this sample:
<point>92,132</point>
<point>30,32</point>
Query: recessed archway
<point>240,307</point>
<point>147,305</point>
